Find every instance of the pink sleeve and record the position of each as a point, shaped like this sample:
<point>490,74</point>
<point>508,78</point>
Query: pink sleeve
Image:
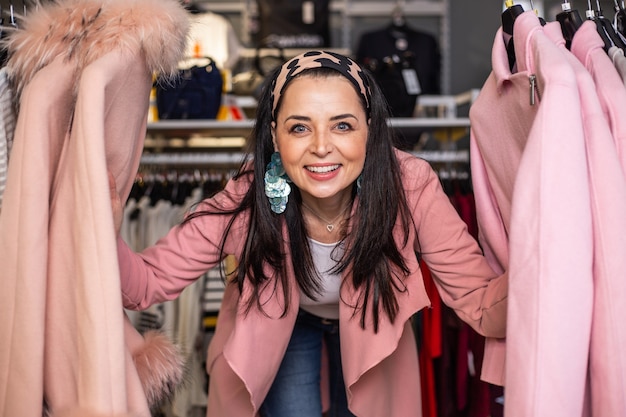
<point>465,281</point>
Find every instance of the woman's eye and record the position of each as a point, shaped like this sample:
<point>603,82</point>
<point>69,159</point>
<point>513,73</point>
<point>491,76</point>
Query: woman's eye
<point>344,126</point>
<point>298,128</point>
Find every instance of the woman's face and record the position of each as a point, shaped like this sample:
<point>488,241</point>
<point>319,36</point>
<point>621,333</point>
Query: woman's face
<point>321,132</point>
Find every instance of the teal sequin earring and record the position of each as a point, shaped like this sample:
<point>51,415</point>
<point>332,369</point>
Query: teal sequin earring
<point>277,187</point>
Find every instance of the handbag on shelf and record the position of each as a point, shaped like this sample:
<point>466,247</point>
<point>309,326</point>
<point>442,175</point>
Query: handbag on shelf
<point>196,92</point>
<point>249,82</point>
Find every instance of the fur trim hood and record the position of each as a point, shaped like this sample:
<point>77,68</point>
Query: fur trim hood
<point>81,31</point>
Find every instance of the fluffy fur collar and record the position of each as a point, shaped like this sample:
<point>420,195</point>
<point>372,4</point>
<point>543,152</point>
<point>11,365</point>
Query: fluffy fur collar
<point>81,31</point>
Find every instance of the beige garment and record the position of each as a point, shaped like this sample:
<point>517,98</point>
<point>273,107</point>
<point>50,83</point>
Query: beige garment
<point>619,60</point>
<point>24,262</point>
<point>83,73</point>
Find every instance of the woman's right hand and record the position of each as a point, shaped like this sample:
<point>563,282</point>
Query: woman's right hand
<point>116,204</point>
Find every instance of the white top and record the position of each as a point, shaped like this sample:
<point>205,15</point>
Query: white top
<point>327,304</point>
<point>212,35</point>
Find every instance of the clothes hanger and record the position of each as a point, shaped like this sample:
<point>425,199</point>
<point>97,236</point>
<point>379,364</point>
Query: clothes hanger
<point>570,21</point>
<point>13,20</point>
<point>397,15</point>
<point>606,30</point>
<point>398,27</point>
<point>509,16</point>
<point>617,38</point>
<point>508,20</point>
<point>591,15</point>
<point>541,19</point>
<point>619,20</point>
<point>5,30</point>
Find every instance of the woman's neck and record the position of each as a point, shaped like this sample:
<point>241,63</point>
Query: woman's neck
<point>326,220</point>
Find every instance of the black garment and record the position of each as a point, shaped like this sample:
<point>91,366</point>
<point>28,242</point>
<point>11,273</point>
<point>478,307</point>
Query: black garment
<point>387,51</point>
<point>293,23</point>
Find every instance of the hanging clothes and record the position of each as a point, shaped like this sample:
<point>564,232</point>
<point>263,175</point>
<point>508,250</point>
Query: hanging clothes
<point>548,171</point>
<point>619,60</point>
<point>609,85</point>
<point>604,101</point>
<point>529,171</point>
<point>7,128</point>
<point>405,62</point>
<point>429,348</point>
<point>212,35</point>
<point>82,72</point>
<point>158,202</point>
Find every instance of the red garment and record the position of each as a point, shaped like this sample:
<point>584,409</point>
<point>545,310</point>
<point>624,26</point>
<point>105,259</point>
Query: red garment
<point>473,396</point>
<point>430,347</point>
<point>467,394</point>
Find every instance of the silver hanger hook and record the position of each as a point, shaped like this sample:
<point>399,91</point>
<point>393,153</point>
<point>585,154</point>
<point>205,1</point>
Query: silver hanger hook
<point>12,15</point>
<point>590,14</point>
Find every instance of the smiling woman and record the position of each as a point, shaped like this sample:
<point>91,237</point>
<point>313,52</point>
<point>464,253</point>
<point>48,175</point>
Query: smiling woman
<point>321,133</point>
<point>329,223</point>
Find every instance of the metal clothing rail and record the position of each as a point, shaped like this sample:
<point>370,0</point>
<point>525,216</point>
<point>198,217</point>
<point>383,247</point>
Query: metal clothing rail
<point>235,158</point>
<point>170,127</point>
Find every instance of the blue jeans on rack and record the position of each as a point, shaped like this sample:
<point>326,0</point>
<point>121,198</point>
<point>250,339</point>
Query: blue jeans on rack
<point>295,391</point>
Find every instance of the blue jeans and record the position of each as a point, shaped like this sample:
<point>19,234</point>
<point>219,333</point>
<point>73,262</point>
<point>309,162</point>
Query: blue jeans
<point>295,391</point>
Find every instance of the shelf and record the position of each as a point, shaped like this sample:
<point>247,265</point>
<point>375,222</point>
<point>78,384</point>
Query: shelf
<point>235,158</point>
<point>429,123</point>
<point>287,52</point>
<point>351,8</point>
<point>190,128</point>
<point>414,8</point>
<point>241,128</point>
<point>193,158</point>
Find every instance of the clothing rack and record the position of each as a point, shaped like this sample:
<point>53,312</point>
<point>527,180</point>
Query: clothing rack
<point>235,158</point>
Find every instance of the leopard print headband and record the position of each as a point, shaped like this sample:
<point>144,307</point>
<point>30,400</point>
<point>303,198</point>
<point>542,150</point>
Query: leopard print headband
<point>317,59</point>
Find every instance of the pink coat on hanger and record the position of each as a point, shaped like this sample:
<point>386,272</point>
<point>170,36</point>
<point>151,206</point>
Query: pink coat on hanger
<point>604,104</point>
<point>380,370</point>
<point>82,72</point>
<point>609,84</point>
<point>529,168</point>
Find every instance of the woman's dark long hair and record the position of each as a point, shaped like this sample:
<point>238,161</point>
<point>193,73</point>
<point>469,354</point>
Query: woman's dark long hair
<point>372,256</point>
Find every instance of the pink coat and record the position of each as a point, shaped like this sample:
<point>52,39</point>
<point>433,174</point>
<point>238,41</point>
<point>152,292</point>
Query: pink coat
<point>529,167</point>
<point>604,104</point>
<point>380,370</point>
<point>609,84</point>
<point>83,73</point>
